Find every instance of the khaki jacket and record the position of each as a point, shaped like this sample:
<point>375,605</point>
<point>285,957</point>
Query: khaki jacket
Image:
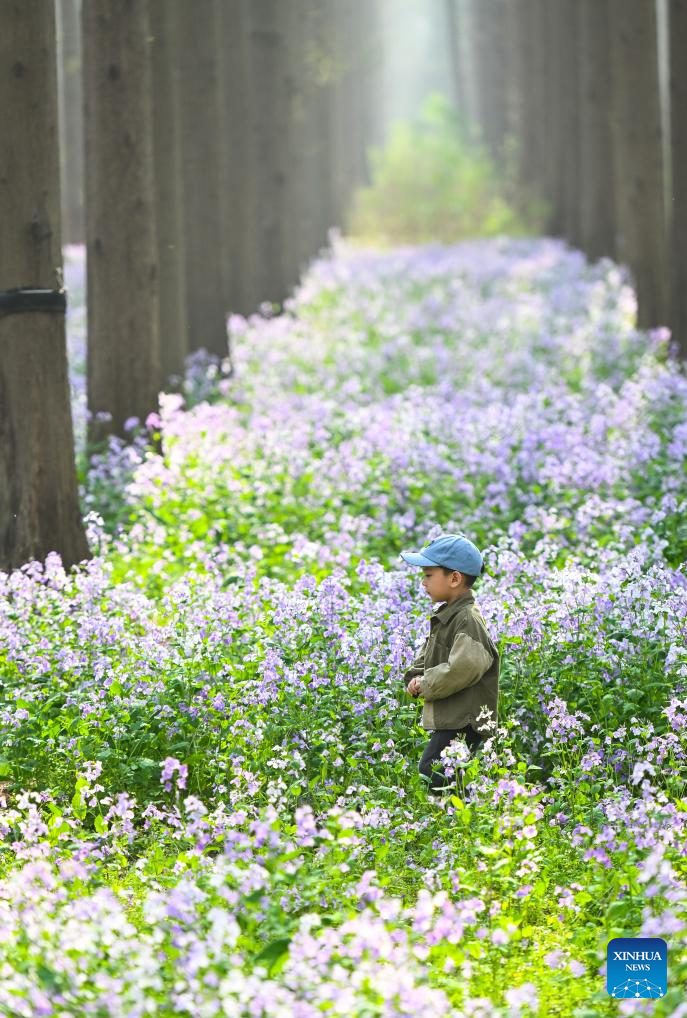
<point>459,665</point>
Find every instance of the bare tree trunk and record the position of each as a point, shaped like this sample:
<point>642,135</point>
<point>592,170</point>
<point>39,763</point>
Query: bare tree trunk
<point>301,206</point>
<point>555,126</point>
<point>545,71</point>
<point>71,121</point>
<point>169,200</point>
<point>265,69</point>
<point>467,30</point>
<point>455,63</point>
<point>199,27</point>
<point>570,114</point>
<point>235,166</point>
<point>489,40</point>
<point>123,340</point>
<point>677,14</point>
<point>527,107</point>
<point>597,212</point>
<point>39,505</point>
<point>342,168</point>
<point>641,242</point>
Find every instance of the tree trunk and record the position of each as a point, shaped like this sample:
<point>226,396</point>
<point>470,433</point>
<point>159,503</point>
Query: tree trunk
<point>597,213</point>
<point>301,204</point>
<point>39,505</point>
<point>199,27</point>
<point>123,340</point>
<point>172,323</point>
<point>526,107</point>
<point>543,81</point>
<point>233,111</point>
<point>638,162</point>
<point>677,14</point>
<point>266,74</point>
<point>71,121</point>
<point>555,119</point>
<point>570,113</point>
<point>489,17</point>
<point>467,30</point>
<point>355,53</point>
<point>455,63</point>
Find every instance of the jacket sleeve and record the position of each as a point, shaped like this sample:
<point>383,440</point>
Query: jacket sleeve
<point>468,660</point>
<point>417,668</point>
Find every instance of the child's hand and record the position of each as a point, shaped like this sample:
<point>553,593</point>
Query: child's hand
<point>414,687</point>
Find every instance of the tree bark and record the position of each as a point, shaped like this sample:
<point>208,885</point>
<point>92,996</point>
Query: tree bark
<point>597,213</point>
<point>489,18</point>
<point>527,109</point>
<point>199,27</point>
<point>39,505</point>
<point>234,160</point>
<point>123,339</point>
<point>555,119</point>
<point>570,114</point>
<point>638,160</point>
<point>265,71</point>
<point>71,121</point>
<point>169,200</point>
<point>356,57</point>
<point>677,14</point>
<point>467,30</point>
<point>455,62</point>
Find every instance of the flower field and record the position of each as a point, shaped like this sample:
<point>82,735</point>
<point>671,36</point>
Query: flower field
<point>209,797</point>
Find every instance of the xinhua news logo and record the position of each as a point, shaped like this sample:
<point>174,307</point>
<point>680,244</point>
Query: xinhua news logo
<point>637,967</point>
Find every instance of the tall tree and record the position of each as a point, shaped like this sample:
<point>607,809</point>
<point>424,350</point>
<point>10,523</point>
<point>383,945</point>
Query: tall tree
<point>455,57</point>
<point>234,87</point>
<point>71,120</point>
<point>199,28</point>
<point>570,118</point>
<point>172,324</point>
<point>492,56</point>
<point>638,158</point>
<point>123,339</point>
<point>468,60</point>
<point>677,13</point>
<point>265,68</point>
<point>526,97</point>
<point>597,212</point>
<point>356,49</point>
<point>315,181</point>
<point>554,41</point>
<point>39,506</point>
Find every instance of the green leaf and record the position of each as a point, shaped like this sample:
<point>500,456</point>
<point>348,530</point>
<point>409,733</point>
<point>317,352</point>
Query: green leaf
<point>273,954</point>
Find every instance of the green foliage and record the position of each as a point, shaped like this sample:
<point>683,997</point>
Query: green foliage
<point>432,183</point>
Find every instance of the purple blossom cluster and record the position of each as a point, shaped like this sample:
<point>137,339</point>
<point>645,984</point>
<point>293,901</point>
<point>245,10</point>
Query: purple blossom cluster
<point>209,802</point>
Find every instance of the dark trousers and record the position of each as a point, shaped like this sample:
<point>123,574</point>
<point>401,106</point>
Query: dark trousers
<point>438,741</point>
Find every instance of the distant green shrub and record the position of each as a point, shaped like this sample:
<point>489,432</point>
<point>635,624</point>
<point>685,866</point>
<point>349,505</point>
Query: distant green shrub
<point>432,183</point>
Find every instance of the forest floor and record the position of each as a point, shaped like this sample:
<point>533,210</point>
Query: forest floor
<point>210,800</point>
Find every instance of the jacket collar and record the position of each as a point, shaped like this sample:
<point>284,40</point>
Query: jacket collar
<point>448,609</point>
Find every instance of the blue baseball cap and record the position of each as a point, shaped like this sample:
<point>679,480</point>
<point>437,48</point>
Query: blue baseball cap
<point>453,551</point>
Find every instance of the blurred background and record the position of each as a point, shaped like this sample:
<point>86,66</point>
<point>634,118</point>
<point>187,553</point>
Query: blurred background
<point>204,152</point>
<point>394,120</point>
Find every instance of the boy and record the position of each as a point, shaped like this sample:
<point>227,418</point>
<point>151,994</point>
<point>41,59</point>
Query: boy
<point>457,671</point>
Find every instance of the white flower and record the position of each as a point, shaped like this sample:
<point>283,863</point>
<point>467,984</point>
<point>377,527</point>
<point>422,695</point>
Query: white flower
<point>640,768</point>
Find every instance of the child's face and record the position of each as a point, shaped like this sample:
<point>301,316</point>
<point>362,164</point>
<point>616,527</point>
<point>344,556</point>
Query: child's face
<point>440,586</point>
